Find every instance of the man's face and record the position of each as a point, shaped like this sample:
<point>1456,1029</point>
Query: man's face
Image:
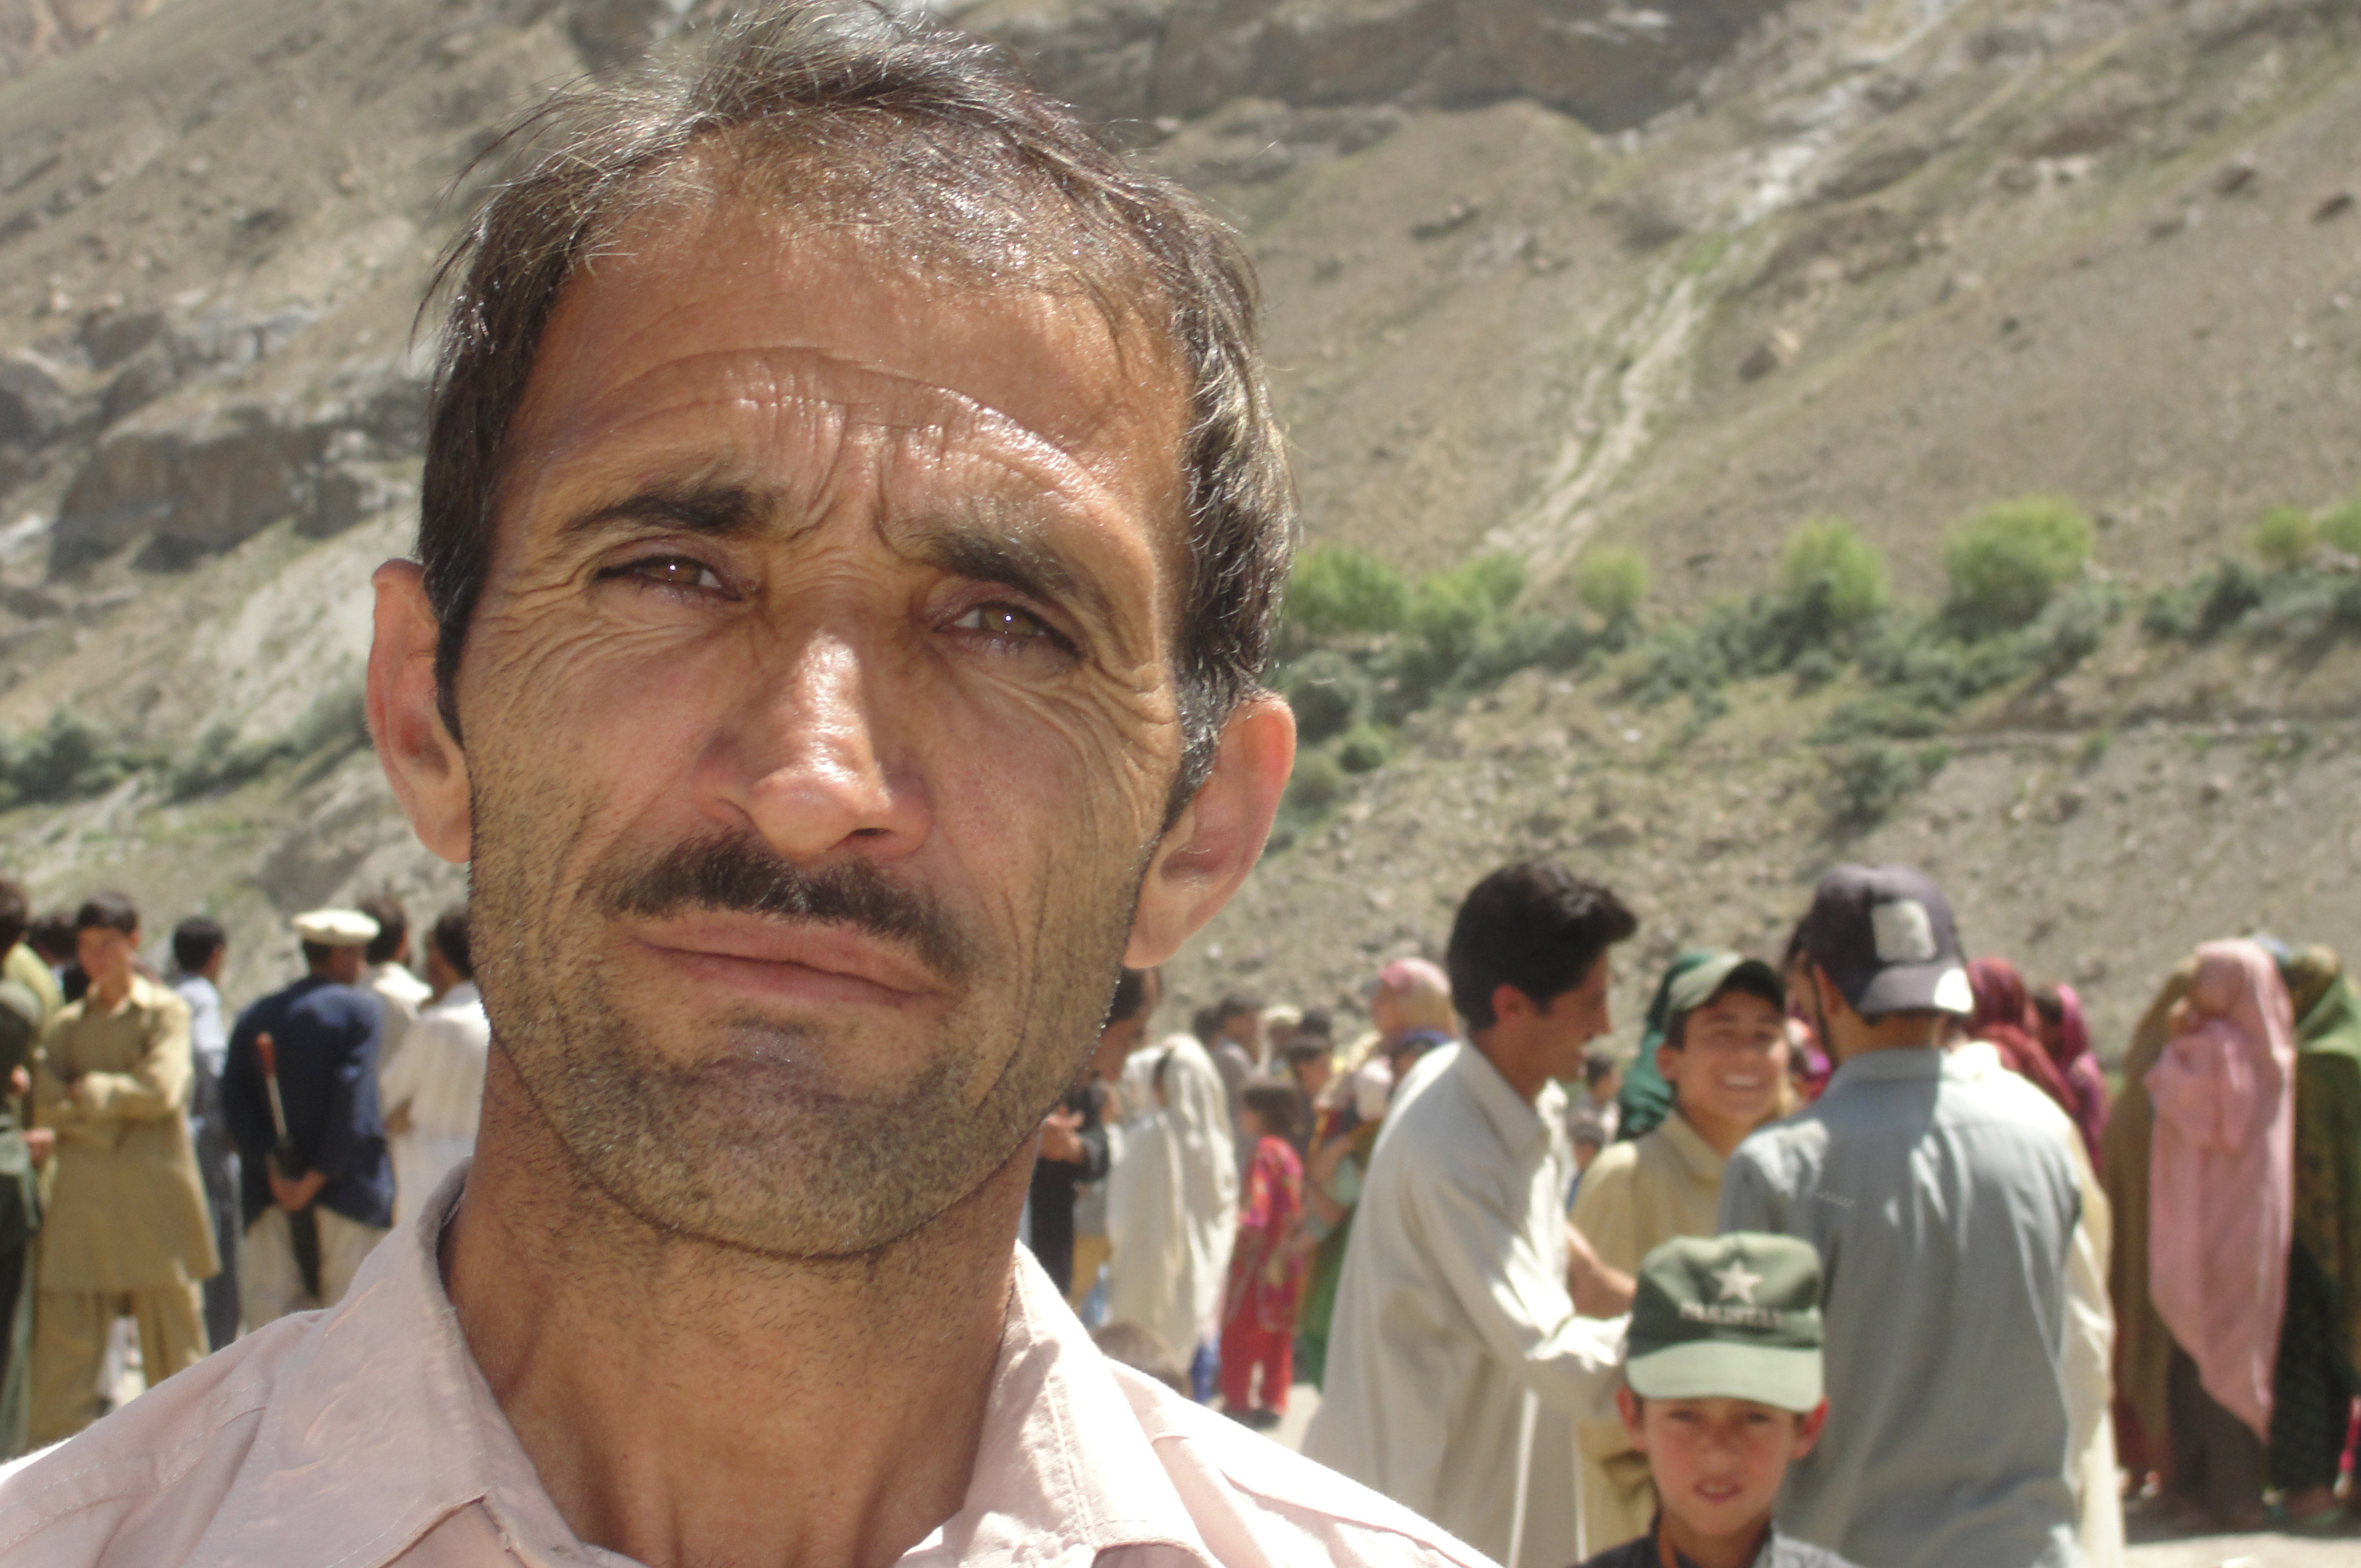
<point>1245,1027</point>
<point>104,954</point>
<point>1572,1020</point>
<point>1731,1062</point>
<point>818,724</point>
<point>1717,1462</point>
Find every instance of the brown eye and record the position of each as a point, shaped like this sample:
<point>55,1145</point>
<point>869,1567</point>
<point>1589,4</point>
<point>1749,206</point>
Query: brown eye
<point>1001,620</point>
<point>672,571</point>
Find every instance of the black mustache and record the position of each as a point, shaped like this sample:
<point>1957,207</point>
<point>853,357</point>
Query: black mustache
<point>737,874</point>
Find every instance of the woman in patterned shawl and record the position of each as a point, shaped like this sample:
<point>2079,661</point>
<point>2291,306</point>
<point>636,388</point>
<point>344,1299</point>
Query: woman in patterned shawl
<point>2320,1345</point>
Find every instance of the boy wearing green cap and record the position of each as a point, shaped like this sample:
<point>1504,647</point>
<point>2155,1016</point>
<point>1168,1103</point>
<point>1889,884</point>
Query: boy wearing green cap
<point>1725,1056</point>
<point>1721,1390</point>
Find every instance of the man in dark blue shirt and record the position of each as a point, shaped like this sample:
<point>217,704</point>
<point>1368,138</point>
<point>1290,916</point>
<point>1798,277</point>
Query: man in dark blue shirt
<point>311,1147</point>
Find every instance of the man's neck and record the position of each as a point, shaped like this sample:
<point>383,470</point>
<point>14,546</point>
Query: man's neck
<point>1897,1034</point>
<point>1736,1551</point>
<point>109,990</point>
<point>685,1401</point>
<point>1525,1078</point>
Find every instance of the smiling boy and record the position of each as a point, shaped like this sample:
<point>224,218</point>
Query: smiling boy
<point>1722,1389</point>
<point>1725,1056</point>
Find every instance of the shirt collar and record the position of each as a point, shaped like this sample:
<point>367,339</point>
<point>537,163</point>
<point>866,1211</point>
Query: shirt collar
<point>1700,1158</point>
<point>1903,1064</point>
<point>1518,1122</point>
<point>381,1426</point>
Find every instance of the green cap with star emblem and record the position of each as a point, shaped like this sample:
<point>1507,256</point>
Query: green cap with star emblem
<point>1733,1317</point>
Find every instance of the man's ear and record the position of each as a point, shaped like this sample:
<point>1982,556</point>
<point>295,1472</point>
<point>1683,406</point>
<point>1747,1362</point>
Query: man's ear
<point>1206,854</point>
<point>1508,1003</point>
<point>1627,1405</point>
<point>423,764</point>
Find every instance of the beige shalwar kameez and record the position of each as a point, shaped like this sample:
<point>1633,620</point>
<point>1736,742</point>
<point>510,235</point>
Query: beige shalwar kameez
<point>127,1232</point>
<point>1634,1197</point>
<point>1456,1365</point>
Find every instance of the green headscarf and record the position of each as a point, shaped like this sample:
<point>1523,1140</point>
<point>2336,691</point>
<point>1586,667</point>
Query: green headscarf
<point>2328,1133</point>
<point>1646,1099</point>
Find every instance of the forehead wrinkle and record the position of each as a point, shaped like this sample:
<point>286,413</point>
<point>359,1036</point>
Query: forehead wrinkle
<point>898,407</point>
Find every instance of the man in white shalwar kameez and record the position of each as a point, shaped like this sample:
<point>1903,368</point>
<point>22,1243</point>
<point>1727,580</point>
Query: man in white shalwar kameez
<point>1457,1363</point>
<point>1173,1204</point>
<point>434,1089</point>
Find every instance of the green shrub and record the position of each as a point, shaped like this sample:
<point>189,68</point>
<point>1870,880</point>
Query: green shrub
<point>1611,581</point>
<point>1867,781</point>
<point>1450,611</point>
<point>2284,537</point>
<point>1319,782</point>
<point>2341,529</point>
<point>1329,692</point>
<point>1364,750</point>
<point>2008,561</point>
<point>1830,573</point>
<point>67,758</point>
<point>2070,629</point>
<point>1498,575</point>
<point>1336,590</point>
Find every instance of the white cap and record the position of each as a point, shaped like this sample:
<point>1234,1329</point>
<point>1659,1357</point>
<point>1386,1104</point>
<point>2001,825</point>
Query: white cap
<point>335,928</point>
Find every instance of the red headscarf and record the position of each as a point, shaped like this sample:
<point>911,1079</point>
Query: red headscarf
<point>2003,1017</point>
<point>2078,1067</point>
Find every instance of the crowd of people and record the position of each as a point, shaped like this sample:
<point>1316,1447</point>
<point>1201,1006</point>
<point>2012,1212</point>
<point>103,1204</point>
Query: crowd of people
<point>2051,1301</point>
<point>852,528</point>
<point>195,1176</point>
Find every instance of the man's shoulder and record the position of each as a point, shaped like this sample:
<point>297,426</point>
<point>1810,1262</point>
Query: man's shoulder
<point>155,996</point>
<point>170,1457</point>
<point>1304,1512</point>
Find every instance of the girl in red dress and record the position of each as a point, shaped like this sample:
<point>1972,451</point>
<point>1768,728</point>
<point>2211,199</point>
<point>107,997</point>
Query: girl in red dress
<point>1266,1273</point>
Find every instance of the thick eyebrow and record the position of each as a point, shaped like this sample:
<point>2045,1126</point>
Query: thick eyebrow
<point>713,508</point>
<point>984,543</point>
<point>1000,544</point>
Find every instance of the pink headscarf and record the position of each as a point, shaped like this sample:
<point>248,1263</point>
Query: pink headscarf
<point>2222,1176</point>
<point>2004,1018</point>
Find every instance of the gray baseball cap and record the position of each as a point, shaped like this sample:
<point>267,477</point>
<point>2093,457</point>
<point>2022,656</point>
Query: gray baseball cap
<point>1886,937</point>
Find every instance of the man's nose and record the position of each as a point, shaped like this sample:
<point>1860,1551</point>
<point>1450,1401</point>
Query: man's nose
<point>815,768</point>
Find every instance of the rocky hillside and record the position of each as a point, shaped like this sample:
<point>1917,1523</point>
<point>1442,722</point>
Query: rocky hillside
<point>1542,278</point>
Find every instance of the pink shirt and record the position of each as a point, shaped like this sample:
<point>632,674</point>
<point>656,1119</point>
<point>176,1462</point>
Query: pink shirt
<point>365,1436</point>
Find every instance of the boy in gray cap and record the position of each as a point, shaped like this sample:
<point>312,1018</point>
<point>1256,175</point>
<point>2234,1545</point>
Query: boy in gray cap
<point>1953,1214</point>
<point>1721,1390</point>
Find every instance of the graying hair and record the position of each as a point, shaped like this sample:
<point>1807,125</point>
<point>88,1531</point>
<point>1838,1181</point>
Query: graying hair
<point>840,113</point>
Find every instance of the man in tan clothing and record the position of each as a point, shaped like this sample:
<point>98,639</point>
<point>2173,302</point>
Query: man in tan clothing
<point>1725,1055</point>
<point>126,1233</point>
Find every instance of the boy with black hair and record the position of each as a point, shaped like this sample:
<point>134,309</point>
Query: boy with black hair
<point>127,1232</point>
<point>199,948</point>
<point>385,975</point>
<point>1722,1390</point>
<point>1724,1055</point>
<point>1462,1281</point>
